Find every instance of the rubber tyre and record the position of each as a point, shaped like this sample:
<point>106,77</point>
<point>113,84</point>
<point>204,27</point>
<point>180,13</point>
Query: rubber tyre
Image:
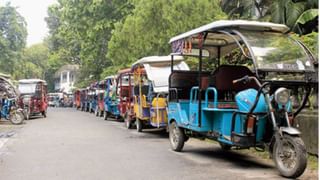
<point>105,115</point>
<point>17,118</point>
<point>127,121</point>
<point>96,112</point>
<point>44,114</point>
<point>139,125</point>
<point>298,150</point>
<point>176,137</point>
<point>27,115</point>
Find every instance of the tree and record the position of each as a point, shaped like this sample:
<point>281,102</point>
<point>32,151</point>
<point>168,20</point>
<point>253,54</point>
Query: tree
<point>80,31</point>
<point>146,32</point>
<point>300,15</point>
<point>13,35</point>
<point>33,62</point>
<point>245,9</point>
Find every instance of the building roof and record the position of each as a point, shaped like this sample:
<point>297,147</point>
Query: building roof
<point>67,67</point>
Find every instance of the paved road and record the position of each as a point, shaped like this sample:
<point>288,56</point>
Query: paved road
<point>75,145</point>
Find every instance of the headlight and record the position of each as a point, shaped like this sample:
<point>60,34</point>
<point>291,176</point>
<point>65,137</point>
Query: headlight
<point>282,96</point>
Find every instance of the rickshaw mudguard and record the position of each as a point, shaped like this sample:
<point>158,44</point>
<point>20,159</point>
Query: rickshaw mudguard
<point>245,100</point>
<point>289,130</point>
<point>178,113</point>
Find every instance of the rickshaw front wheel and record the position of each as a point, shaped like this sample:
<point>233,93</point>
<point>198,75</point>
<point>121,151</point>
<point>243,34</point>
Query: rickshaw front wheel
<point>176,136</point>
<point>290,156</point>
<point>16,118</point>
<point>139,125</point>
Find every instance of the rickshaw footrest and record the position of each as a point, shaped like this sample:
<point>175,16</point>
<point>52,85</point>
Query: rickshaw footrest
<point>243,140</point>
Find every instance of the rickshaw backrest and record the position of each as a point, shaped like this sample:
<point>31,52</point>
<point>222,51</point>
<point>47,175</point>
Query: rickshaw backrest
<point>144,90</point>
<point>225,74</point>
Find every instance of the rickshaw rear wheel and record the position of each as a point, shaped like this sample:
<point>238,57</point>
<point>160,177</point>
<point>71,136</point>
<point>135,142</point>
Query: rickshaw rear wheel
<point>176,136</point>
<point>96,112</point>
<point>127,121</point>
<point>139,125</point>
<point>106,115</point>
<point>291,159</point>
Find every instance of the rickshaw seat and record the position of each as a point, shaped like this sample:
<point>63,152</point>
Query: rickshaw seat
<point>225,74</point>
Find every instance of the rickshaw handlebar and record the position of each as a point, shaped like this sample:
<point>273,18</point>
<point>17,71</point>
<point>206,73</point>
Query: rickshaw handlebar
<point>246,79</point>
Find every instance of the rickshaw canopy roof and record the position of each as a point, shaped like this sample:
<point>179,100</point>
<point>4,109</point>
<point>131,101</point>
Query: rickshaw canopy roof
<point>156,59</point>
<point>122,71</point>
<point>233,24</point>
<point>158,69</point>
<point>109,77</point>
<point>215,38</point>
<point>31,81</point>
<point>7,76</point>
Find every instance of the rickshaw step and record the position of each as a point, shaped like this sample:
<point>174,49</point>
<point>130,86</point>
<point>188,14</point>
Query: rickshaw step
<point>243,140</point>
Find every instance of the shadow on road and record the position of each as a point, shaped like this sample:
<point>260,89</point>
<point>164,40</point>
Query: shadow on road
<point>236,158</point>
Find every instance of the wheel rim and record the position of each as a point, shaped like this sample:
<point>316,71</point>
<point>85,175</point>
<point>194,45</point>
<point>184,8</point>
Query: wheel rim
<point>127,124</point>
<point>286,156</point>
<point>126,119</point>
<point>174,135</point>
<point>139,124</point>
<point>15,118</point>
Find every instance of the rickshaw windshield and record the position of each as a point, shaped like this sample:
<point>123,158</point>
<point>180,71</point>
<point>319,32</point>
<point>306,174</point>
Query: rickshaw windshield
<point>27,88</point>
<point>277,52</point>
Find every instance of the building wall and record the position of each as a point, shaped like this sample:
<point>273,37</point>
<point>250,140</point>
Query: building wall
<point>65,81</point>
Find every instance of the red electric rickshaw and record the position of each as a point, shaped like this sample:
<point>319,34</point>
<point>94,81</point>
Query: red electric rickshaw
<point>33,97</point>
<point>124,92</point>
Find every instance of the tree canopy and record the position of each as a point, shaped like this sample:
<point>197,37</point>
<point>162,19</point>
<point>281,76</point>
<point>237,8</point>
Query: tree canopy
<point>13,35</point>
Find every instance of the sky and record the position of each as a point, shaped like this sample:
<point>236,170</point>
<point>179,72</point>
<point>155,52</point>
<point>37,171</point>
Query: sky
<point>34,12</point>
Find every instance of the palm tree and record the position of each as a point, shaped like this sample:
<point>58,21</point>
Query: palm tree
<point>300,15</point>
<point>245,9</point>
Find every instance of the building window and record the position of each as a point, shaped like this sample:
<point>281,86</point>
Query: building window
<point>71,77</point>
<point>64,77</point>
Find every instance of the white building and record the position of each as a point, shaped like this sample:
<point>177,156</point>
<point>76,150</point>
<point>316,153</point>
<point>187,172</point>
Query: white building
<point>65,78</point>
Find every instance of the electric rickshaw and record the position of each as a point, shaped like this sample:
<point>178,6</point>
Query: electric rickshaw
<point>53,99</point>
<point>150,76</point>
<point>92,97</point>
<point>111,101</point>
<point>83,99</point>
<point>124,93</point>
<point>243,101</point>
<point>9,109</point>
<point>101,86</point>
<point>33,97</point>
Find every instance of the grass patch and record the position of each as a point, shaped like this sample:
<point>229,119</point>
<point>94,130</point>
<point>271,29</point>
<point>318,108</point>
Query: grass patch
<point>313,162</point>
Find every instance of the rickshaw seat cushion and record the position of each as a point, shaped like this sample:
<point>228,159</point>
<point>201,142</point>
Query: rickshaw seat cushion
<point>225,74</point>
